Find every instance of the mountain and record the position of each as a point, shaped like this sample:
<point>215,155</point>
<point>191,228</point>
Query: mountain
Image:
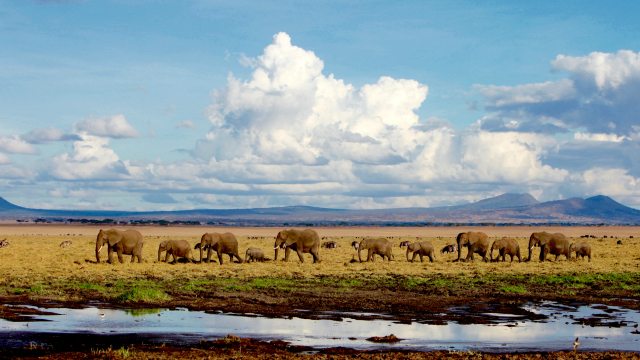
<point>502,209</point>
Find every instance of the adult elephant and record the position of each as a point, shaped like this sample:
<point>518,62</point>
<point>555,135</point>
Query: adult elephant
<point>300,241</point>
<point>374,246</point>
<point>177,249</point>
<point>127,242</point>
<point>225,243</point>
<point>550,244</point>
<point>476,242</point>
<point>423,248</point>
<point>505,246</point>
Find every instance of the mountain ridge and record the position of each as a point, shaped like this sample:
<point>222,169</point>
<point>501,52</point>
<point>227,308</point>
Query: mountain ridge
<point>508,208</point>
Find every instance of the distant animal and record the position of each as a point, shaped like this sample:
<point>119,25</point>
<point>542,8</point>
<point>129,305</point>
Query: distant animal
<point>450,248</point>
<point>254,254</point>
<point>65,244</point>
<point>576,343</point>
<point>4,243</point>
<point>404,244</point>
<point>582,249</point>
<point>619,242</point>
<point>329,244</point>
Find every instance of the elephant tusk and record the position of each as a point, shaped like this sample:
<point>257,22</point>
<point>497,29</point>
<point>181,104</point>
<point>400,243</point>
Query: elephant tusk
<point>275,248</point>
<point>100,248</point>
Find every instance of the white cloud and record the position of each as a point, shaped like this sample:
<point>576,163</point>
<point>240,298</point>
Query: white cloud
<point>91,158</point>
<point>598,96</point>
<point>47,135</point>
<point>4,159</point>
<point>599,137</point>
<point>115,126</point>
<point>16,145</point>
<point>616,182</point>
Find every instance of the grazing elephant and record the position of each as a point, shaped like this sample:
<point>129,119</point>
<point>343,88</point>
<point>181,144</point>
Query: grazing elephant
<point>582,249</point>
<point>225,243</point>
<point>128,242</point>
<point>505,246</point>
<point>550,244</point>
<point>476,242</point>
<point>177,249</point>
<point>374,246</point>
<point>254,254</point>
<point>423,248</point>
<point>300,241</point>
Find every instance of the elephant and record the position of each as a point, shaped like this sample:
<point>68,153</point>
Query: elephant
<point>476,242</point>
<point>423,248</point>
<point>254,254</point>
<point>450,248</point>
<point>329,244</point>
<point>582,249</point>
<point>374,246</point>
<point>553,244</point>
<point>177,249</point>
<point>225,243</point>
<point>505,246</point>
<point>127,242</point>
<point>300,241</point>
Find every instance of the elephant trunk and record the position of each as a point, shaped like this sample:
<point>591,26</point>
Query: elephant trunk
<point>531,243</point>
<point>159,253</point>
<point>201,246</point>
<point>359,250</point>
<point>459,242</point>
<point>275,249</point>
<point>98,248</point>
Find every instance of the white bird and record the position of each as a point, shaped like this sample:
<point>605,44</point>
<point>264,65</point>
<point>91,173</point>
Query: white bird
<point>101,315</point>
<point>576,343</point>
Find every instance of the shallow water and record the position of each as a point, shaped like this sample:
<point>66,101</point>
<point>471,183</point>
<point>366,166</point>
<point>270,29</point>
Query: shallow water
<point>599,327</point>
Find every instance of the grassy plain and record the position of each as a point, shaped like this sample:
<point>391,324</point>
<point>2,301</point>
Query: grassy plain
<point>35,268</point>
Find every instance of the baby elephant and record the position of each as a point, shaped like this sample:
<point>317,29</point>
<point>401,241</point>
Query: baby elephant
<point>177,249</point>
<point>505,246</point>
<point>582,249</point>
<point>254,254</point>
<point>329,244</point>
<point>422,249</point>
<point>451,248</point>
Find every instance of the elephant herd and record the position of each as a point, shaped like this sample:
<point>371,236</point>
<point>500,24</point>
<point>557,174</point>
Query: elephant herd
<point>130,242</point>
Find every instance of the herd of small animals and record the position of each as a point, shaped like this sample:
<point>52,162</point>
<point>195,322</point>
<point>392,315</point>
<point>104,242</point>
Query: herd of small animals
<point>130,242</point>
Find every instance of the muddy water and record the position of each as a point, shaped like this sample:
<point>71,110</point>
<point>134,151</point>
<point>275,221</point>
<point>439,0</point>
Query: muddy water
<point>539,327</point>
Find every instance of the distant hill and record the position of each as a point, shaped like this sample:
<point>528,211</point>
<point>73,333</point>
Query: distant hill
<point>503,210</point>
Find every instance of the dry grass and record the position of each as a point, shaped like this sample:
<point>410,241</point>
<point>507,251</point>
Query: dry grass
<point>35,264</point>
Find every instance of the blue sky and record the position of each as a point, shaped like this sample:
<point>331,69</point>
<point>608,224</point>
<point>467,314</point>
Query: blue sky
<point>182,104</point>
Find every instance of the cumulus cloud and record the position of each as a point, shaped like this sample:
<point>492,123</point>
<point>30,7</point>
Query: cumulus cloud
<point>115,127</point>
<point>16,145</point>
<point>599,95</point>
<point>39,136</point>
<point>91,158</point>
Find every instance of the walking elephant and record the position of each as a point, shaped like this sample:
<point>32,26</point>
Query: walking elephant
<point>300,241</point>
<point>127,242</point>
<point>177,249</point>
<point>505,246</point>
<point>374,246</point>
<point>582,250</point>
<point>550,244</point>
<point>225,243</point>
<point>476,242</point>
<point>254,254</point>
<point>423,248</point>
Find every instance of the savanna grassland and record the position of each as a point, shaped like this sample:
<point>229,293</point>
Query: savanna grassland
<point>34,269</point>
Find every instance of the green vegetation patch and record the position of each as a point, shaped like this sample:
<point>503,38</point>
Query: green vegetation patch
<point>514,289</point>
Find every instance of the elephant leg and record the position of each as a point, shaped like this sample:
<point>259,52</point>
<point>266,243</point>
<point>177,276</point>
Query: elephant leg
<point>431,257</point>
<point>421,257</point>
<point>413,258</point>
<point>119,252</point>
<point>370,255</point>
<point>166,258</point>
<point>299,251</point>
<point>109,254</point>
<point>316,256</point>
<point>220,257</point>
<point>286,253</point>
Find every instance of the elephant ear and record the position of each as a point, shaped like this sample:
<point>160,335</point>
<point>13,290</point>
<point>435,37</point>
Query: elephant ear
<point>114,238</point>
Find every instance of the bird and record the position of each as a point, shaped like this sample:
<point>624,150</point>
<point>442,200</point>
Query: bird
<point>576,343</point>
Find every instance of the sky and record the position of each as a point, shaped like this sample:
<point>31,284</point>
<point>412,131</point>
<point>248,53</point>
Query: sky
<point>163,105</point>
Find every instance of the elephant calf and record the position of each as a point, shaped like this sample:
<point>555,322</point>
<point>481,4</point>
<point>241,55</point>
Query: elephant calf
<point>582,249</point>
<point>177,249</point>
<point>329,244</point>
<point>450,248</point>
<point>254,254</point>
<point>421,249</point>
<point>505,246</point>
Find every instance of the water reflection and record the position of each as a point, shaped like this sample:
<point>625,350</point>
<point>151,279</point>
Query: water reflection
<point>612,330</point>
